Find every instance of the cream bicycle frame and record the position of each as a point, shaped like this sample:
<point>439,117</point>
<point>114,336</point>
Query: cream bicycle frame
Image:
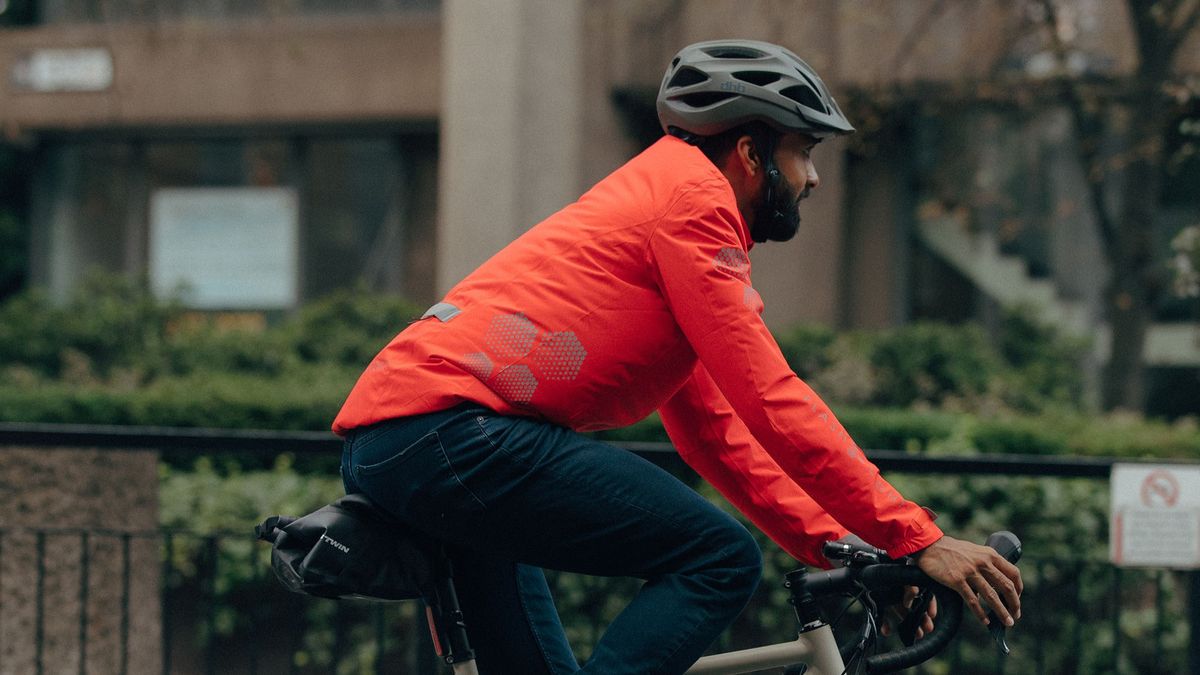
<point>817,648</point>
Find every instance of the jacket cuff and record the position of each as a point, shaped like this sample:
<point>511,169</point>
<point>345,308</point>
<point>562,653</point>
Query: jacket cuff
<point>921,536</point>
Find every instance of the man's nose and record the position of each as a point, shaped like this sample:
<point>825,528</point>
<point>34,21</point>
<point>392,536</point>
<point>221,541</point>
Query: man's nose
<point>814,179</point>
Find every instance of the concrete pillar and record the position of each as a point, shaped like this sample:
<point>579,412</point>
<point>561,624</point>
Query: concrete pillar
<point>79,561</point>
<point>510,124</point>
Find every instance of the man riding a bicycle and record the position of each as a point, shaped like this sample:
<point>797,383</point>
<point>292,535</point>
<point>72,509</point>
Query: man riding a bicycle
<point>638,297</point>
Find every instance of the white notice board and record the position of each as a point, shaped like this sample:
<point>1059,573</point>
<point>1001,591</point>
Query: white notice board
<point>1155,516</point>
<point>56,70</point>
<point>225,248</point>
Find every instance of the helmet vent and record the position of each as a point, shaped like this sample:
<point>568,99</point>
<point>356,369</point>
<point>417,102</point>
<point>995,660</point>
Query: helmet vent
<point>733,52</point>
<point>706,98</point>
<point>805,97</point>
<point>759,77</point>
<point>687,77</point>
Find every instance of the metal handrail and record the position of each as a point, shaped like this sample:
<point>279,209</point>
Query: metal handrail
<point>270,442</point>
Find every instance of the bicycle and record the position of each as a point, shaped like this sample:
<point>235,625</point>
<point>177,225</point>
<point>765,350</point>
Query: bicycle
<point>352,550</point>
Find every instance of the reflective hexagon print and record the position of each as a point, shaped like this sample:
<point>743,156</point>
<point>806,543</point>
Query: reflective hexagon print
<point>516,384</point>
<point>559,356</point>
<point>752,299</point>
<point>511,335</point>
<point>478,364</point>
<point>734,262</point>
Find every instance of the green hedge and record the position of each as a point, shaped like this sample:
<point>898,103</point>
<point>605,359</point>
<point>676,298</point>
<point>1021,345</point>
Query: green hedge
<point>112,332</point>
<point>113,354</point>
<point>1047,434</point>
<point>304,398</point>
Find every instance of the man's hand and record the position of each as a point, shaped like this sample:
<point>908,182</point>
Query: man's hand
<point>975,571</point>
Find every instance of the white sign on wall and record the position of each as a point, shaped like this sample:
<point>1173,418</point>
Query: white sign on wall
<point>225,248</point>
<point>57,70</point>
<point>1155,516</point>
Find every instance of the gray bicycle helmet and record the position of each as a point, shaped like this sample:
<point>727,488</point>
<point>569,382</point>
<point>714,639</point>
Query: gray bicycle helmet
<point>714,86</point>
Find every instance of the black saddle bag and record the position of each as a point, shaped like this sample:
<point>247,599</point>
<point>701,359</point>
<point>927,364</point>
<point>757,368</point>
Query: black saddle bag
<point>351,549</point>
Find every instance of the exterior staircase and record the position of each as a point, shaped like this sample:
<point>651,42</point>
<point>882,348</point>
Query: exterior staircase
<point>1006,279</point>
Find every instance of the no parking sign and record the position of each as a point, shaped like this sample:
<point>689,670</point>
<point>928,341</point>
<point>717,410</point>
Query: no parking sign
<point>1155,515</point>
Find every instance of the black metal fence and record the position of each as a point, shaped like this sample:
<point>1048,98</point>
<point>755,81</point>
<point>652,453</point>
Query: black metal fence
<point>220,612</point>
<point>93,601</point>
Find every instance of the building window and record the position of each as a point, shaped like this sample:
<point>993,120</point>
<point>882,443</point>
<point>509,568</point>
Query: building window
<point>240,223</point>
<point>225,248</point>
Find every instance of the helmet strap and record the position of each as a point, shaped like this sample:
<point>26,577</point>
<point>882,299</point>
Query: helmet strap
<point>770,222</point>
<point>686,136</point>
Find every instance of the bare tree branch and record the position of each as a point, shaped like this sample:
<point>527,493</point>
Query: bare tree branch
<point>1086,126</point>
<point>909,43</point>
<point>1161,27</point>
<point>1015,32</point>
<point>1188,21</point>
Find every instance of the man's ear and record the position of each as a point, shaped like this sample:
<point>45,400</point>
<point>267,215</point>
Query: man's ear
<point>747,155</point>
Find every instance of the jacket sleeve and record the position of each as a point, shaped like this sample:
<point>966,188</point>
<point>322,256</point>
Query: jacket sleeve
<point>699,255</point>
<point>712,440</point>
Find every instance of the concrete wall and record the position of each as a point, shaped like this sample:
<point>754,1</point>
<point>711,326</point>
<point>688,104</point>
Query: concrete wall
<point>111,494</point>
<point>235,73</point>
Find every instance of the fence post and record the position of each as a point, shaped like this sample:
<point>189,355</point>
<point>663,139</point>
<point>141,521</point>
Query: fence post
<point>1194,622</point>
<point>1116,619</point>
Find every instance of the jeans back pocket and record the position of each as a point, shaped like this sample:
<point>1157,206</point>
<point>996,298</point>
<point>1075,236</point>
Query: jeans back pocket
<point>417,482</point>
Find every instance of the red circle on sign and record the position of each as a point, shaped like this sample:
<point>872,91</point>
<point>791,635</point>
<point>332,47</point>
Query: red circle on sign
<point>1160,488</point>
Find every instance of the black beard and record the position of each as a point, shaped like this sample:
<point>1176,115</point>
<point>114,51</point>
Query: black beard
<point>777,217</point>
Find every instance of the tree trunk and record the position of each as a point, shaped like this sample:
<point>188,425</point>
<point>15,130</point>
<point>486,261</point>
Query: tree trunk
<point>1137,282</point>
<point>1130,316</point>
<point>1160,27</point>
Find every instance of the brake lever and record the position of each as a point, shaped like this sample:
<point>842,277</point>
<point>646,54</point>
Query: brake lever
<point>907,630</point>
<point>997,631</point>
<point>1006,544</point>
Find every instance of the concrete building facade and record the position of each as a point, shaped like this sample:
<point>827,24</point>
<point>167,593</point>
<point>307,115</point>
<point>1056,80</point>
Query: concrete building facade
<point>401,143</point>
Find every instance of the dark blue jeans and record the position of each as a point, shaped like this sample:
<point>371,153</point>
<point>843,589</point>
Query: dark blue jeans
<point>511,496</point>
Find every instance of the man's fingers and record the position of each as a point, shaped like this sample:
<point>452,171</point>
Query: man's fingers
<point>1007,589</point>
<point>968,595</point>
<point>926,627</point>
<point>992,598</point>
<point>1013,573</point>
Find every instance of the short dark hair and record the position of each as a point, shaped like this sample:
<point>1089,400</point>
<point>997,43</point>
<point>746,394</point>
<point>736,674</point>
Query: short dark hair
<point>718,147</point>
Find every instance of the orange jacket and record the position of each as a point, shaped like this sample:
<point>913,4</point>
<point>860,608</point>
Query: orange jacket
<point>637,297</point>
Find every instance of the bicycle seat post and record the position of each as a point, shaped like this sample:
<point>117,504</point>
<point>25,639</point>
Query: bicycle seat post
<point>446,619</point>
<point>808,613</point>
